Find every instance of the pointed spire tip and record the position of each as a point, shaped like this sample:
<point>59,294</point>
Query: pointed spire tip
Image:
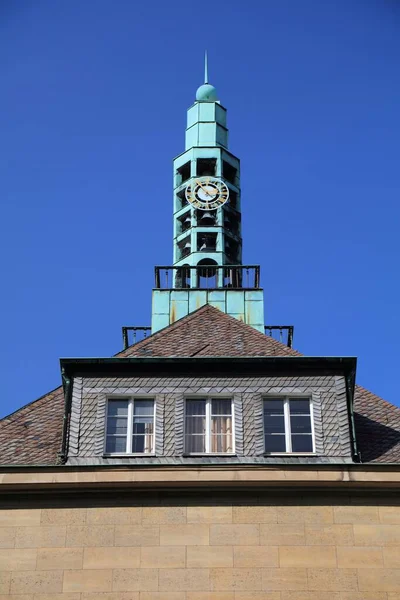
<point>206,92</point>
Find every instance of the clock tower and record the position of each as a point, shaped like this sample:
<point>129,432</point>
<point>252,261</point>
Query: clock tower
<point>207,248</point>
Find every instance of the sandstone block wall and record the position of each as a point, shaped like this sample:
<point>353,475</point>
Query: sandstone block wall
<point>202,546</point>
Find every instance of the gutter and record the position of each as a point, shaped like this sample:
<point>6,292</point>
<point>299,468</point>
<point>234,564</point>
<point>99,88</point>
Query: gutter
<point>350,385</point>
<point>67,385</point>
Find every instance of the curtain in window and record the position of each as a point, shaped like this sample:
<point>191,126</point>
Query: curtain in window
<point>143,426</point>
<point>221,425</point>
<point>208,426</point>
<point>195,426</point>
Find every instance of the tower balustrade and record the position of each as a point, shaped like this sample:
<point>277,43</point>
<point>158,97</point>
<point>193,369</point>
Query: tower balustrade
<point>207,276</point>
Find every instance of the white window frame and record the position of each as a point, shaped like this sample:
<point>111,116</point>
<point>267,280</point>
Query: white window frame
<point>128,447</point>
<point>288,433</point>
<point>207,400</point>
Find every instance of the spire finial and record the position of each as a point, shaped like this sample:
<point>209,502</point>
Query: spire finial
<point>206,92</point>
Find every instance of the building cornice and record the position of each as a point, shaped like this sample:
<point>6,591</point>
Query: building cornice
<point>340,477</point>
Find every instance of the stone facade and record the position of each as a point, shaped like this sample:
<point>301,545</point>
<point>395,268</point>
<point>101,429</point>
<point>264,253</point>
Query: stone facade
<point>88,414</point>
<point>245,545</point>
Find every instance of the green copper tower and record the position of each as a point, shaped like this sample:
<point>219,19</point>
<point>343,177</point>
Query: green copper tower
<point>207,246</point>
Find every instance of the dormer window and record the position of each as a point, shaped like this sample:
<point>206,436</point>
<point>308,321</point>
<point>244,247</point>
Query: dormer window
<point>288,426</point>
<point>130,426</point>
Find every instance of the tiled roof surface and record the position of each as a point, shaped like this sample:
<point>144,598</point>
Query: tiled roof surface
<point>32,435</point>
<point>377,427</point>
<point>209,332</point>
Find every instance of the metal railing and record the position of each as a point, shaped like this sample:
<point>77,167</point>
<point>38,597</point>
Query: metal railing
<point>281,333</point>
<point>208,277</point>
<point>132,335</point>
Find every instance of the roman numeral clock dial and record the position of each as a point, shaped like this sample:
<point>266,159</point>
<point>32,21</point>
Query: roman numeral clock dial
<point>207,193</point>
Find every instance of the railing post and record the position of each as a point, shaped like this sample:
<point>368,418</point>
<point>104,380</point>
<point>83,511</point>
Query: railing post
<point>125,337</point>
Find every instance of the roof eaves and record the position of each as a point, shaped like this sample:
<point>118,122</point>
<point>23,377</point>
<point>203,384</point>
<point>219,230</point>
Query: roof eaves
<point>345,364</point>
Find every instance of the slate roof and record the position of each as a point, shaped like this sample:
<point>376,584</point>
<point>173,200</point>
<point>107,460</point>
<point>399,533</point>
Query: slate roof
<point>32,434</point>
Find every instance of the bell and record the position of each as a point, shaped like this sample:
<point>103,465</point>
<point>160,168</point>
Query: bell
<point>186,223</point>
<point>207,218</point>
<point>186,249</point>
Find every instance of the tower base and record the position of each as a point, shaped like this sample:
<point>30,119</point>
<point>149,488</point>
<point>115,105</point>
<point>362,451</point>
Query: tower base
<point>169,306</point>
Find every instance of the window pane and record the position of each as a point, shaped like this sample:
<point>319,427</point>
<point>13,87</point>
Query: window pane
<point>142,443</point>
<point>116,444</point>
<point>273,407</point>
<point>195,425</point>
<point>221,406</point>
<point>302,443</point>
<point>117,425</point>
<point>300,424</point>
<point>275,443</point>
<point>117,408</point>
<point>195,443</point>
<point>143,408</point>
<point>195,407</point>
<point>221,443</point>
<point>274,424</point>
<point>300,407</point>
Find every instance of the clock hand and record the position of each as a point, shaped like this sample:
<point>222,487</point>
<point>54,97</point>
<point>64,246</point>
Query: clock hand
<point>203,188</point>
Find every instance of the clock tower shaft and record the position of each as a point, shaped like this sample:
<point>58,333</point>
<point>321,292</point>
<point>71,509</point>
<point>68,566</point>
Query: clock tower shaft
<point>207,246</point>
<point>207,236</point>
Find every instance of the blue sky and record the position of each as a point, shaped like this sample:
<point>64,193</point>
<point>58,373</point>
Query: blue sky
<point>92,111</point>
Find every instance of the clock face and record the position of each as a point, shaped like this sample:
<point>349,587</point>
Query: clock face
<point>207,193</point>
